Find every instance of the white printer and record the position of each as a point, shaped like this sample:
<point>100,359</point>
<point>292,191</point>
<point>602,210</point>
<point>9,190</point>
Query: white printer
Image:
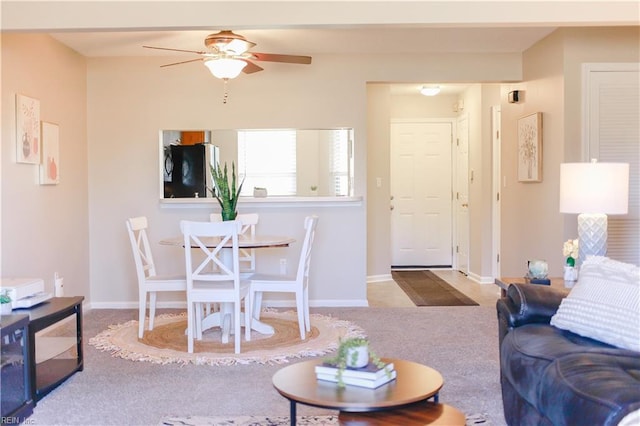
<point>24,292</point>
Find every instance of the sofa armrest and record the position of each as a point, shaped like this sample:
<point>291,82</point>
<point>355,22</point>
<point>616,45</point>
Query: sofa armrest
<point>527,304</point>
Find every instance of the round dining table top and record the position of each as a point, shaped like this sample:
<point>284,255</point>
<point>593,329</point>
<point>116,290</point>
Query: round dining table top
<point>245,241</point>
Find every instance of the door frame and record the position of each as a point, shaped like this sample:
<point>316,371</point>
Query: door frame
<point>455,189</point>
<point>454,134</point>
<point>496,118</point>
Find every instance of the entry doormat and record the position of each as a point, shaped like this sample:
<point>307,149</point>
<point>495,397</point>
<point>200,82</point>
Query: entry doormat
<point>425,288</point>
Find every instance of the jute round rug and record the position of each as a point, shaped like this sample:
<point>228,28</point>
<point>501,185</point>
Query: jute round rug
<point>167,342</point>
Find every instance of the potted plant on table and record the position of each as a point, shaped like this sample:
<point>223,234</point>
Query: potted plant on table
<point>353,352</point>
<point>5,304</point>
<point>227,195</point>
<point>570,248</point>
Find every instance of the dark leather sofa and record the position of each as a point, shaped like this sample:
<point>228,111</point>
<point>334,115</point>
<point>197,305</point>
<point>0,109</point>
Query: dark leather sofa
<point>554,377</point>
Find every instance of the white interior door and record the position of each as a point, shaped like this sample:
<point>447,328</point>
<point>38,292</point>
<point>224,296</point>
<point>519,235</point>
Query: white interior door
<point>421,187</point>
<point>461,198</point>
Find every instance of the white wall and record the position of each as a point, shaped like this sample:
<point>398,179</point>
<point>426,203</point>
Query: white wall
<point>532,226</point>
<point>128,100</point>
<point>45,229</point>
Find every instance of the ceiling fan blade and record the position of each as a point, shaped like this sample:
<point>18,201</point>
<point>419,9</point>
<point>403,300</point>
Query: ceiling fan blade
<point>272,57</point>
<point>199,52</point>
<point>251,67</point>
<point>182,62</point>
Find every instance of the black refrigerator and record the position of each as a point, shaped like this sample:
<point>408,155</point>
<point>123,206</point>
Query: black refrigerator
<point>187,170</point>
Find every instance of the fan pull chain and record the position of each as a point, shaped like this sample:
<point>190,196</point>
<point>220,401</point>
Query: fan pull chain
<point>226,92</point>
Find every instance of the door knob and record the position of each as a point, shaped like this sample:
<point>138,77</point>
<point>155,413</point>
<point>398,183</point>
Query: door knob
<point>391,198</point>
<point>465,205</point>
<point>390,207</point>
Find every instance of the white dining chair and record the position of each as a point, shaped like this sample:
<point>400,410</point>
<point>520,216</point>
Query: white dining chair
<point>298,283</point>
<point>149,283</point>
<point>247,257</point>
<point>216,278</point>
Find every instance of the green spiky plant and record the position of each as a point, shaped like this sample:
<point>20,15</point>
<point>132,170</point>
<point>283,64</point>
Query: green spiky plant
<point>226,195</point>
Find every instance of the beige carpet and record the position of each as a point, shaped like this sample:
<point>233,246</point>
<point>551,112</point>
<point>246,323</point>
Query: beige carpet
<point>167,342</point>
<point>471,420</point>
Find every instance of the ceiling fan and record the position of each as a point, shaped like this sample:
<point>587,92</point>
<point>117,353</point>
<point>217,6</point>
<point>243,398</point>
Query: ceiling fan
<point>228,54</point>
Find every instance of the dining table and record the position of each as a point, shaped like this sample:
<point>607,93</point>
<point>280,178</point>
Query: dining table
<point>215,319</point>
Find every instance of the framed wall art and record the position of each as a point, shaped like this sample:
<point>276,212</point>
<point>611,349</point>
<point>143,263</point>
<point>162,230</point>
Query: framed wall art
<point>27,130</point>
<point>530,148</point>
<point>50,165</point>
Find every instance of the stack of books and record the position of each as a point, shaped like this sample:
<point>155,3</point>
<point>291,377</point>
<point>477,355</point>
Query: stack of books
<point>369,376</point>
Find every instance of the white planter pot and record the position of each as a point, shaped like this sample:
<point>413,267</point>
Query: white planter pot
<point>5,308</point>
<point>570,276</point>
<point>362,358</point>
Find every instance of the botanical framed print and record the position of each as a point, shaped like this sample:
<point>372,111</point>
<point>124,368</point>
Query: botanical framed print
<point>530,148</point>
<point>27,130</point>
<point>50,165</point>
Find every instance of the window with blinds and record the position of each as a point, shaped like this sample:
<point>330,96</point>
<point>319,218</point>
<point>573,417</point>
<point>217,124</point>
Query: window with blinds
<point>339,163</point>
<point>614,137</point>
<point>267,158</point>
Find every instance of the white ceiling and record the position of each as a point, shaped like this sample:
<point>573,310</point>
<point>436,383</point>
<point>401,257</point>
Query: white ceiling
<point>366,40</point>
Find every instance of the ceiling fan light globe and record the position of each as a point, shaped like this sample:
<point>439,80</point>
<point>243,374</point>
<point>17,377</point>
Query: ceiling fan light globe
<point>225,68</point>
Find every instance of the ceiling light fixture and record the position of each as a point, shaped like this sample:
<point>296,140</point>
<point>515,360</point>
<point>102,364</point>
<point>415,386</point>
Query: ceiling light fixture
<point>225,68</point>
<point>430,90</point>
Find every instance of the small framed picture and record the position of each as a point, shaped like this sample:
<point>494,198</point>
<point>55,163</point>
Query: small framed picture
<point>50,166</point>
<point>530,148</point>
<point>27,130</point>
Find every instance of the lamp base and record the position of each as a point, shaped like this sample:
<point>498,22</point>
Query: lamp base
<point>592,235</point>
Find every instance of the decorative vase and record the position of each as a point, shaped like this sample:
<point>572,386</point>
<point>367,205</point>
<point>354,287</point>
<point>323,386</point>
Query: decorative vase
<point>538,269</point>
<point>570,276</point>
<point>362,358</point>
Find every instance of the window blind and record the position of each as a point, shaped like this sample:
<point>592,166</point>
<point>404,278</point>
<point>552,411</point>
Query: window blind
<point>614,136</point>
<point>267,158</point>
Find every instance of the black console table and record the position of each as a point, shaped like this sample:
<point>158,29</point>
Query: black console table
<point>48,374</point>
<point>16,398</point>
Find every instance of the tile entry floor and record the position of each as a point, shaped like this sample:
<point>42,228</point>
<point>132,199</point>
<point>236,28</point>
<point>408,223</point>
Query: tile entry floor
<point>389,294</point>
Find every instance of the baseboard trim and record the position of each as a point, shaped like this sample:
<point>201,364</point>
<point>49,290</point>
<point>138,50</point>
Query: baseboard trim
<point>480,279</point>
<point>378,278</point>
<point>330,303</point>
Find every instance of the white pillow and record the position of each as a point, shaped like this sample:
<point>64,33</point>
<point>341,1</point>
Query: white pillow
<point>604,304</point>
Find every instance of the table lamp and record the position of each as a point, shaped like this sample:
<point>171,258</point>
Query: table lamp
<point>593,190</point>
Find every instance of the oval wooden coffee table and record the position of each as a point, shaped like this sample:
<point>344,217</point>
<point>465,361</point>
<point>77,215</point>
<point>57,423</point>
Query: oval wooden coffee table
<point>415,382</point>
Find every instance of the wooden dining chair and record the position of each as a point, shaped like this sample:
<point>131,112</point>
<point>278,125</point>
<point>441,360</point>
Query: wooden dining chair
<point>298,283</point>
<point>247,257</point>
<point>214,276</point>
<point>149,283</point>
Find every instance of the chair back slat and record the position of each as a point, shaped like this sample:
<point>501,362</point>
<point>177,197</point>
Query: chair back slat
<point>310,223</point>
<point>137,230</point>
<point>217,243</point>
<point>248,223</point>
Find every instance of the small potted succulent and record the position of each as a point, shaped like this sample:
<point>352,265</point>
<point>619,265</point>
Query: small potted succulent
<point>353,352</point>
<point>227,195</point>
<point>5,304</point>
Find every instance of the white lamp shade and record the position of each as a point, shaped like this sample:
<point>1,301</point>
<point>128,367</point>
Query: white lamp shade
<point>594,188</point>
<point>225,67</point>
